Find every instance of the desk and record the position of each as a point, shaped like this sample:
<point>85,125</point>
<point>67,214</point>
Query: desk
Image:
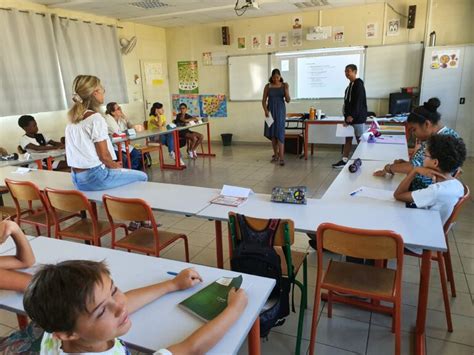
<point>162,322</point>
<point>381,152</point>
<point>346,182</point>
<point>35,158</point>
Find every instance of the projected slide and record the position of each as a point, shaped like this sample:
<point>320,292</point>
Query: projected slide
<point>323,76</point>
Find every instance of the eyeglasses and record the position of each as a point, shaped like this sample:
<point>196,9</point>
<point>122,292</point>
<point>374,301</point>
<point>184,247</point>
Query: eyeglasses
<point>118,108</point>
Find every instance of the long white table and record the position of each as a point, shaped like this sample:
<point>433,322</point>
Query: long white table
<point>163,322</point>
<point>381,152</point>
<point>35,158</point>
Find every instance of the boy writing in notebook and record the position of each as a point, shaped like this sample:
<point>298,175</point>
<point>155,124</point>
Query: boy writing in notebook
<point>83,312</point>
<point>444,154</point>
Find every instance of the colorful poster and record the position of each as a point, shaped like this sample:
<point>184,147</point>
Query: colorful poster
<point>371,30</point>
<point>297,35</point>
<point>270,40</point>
<point>393,28</point>
<point>445,59</point>
<point>213,105</point>
<point>339,34</point>
<point>283,39</point>
<point>188,77</point>
<point>256,42</point>
<point>206,58</point>
<point>192,101</point>
<point>241,43</point>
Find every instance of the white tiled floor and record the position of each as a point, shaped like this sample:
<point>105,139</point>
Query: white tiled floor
<point>350,330</point>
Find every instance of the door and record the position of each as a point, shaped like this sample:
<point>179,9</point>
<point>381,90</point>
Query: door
<point>155,87</point>
<point>464,123</point>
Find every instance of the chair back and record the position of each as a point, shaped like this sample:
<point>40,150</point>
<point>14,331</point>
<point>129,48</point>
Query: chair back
<point>359,243</point>
<point>457,208</point>
<point>128,209</point>
<point>23,190</point>
<point>260,224</point>
<point>68,200</point>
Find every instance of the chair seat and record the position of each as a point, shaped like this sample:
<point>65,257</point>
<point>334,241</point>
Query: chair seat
<point>40,217</point>
<point>84,228</point>
<point>360,278</point>
<point>297,257</point>
<point>143,238</point>
<point>11,211</point>
<point>150,148</point>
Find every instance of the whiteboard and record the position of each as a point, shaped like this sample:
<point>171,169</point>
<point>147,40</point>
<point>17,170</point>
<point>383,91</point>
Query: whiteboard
<point>388,68</point>
<point>248,75</point>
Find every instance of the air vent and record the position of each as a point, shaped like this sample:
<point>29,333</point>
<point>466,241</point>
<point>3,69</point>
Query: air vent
<point>311,3</point>
<point>149,4</point>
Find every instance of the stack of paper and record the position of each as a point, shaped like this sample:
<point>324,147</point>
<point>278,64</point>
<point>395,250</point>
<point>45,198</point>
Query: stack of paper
<point>232,196</point>
<point>342,131</point>
<point>377,194</point>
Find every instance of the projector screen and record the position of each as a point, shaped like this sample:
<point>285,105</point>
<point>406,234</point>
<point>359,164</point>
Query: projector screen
<point>319,73</point>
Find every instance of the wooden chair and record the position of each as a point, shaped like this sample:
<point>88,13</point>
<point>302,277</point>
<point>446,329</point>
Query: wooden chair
<point>151,147</point>
<point>376,283</point>
<point>87,228</point>
<point>39,217</point>
<point>443,259</point>
<point>291,261</point>
<point>6,210</point>
<point>145,240</point>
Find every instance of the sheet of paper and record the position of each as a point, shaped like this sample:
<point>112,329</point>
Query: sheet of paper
<point>342,131</point>
<point>22,171</point>
<point>390,139</point>
<point>377,194</point>
<point>236,191</point>
<point>269,119</point>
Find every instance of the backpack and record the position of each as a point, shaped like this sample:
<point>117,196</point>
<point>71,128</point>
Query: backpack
<point>254,254</point>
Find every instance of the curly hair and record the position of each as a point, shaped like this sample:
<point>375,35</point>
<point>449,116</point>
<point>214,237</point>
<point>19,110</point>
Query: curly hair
<point>450,151</point>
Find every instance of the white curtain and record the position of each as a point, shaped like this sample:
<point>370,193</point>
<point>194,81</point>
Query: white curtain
<point>30,79</point>
<point>90,49</point>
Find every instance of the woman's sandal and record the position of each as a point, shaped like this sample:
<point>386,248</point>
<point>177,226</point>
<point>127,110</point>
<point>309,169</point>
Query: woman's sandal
<point>274,159</point>
<point>282,162</point>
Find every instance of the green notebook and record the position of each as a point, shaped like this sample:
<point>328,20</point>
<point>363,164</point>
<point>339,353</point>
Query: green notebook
<point>209,302</point>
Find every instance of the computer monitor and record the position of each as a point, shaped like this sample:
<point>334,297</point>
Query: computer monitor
<point>399,103</point>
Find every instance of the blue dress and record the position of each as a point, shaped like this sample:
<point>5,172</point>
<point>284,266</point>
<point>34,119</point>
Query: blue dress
<point>276,105</point>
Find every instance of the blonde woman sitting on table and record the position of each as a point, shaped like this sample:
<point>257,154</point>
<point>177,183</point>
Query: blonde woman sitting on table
<point>89,151</point>
<point>116,124</point>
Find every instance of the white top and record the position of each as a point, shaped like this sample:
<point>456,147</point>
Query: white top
<point>441,197</point>
<point>114,126</point>
<point>80,138</point>
<point>25,140</point>
<point>53,346</point>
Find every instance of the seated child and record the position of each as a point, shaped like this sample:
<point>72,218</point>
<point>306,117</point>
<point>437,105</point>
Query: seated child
<point>9,278</point>
<point>157,120</point>
<point>443,155</point>
<point>118,123</point>
<point>195,138</point>
<point>34,142</point>
<point>82,311</point>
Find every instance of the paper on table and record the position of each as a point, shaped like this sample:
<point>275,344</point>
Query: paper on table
<point>342,131</point>
<point>269,119</point>
<point>390,140</point>
<point>377,194</point>
<point>236,191</point>
<point>22,171</point>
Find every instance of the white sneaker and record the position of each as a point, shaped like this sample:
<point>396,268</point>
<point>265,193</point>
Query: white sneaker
<point>195,154</point>
<point>190,155</point>
<point>172,155</point>
<point>181,162</point>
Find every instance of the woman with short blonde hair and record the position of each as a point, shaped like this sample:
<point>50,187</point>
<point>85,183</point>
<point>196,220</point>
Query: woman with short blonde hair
<point>89,151</point>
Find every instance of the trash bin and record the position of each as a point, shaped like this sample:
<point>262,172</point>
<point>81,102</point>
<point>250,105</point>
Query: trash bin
<point>226,139</point>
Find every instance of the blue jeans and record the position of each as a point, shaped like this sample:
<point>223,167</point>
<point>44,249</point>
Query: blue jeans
<point>102,178</point>
<point>168,140</point>
<point>135,157</point>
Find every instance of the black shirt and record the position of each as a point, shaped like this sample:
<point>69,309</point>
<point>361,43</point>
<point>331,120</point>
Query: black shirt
<point>355,102</point>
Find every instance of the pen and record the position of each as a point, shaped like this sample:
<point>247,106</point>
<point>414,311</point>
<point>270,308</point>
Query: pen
<point>355,192</point>
<point>172,273</point>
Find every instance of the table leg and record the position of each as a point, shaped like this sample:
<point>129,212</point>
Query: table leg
<point>254,338</point>
<point>422,303</point>
<point>219,249</point>
<point>39,164</point>
<point>177,154</point>
<point>49,163</point>
<point>127,151</point>
<point>209,153</point>
<point>305,141</point>
<point>119,153</point>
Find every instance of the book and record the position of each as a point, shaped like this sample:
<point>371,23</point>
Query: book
<point>229,200</point>
<point>209,302</point>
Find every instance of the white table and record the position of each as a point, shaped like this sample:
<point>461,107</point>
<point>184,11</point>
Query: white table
<point>35,158</point>
<point>162,322</point>
<point>347,182</point>
<point>381,152</point>
<point>10,245</point>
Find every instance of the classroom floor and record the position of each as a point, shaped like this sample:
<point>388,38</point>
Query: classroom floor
<point>350,330</point>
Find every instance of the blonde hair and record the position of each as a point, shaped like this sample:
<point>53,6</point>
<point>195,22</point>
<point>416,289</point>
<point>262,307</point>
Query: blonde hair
<point>83,88</point>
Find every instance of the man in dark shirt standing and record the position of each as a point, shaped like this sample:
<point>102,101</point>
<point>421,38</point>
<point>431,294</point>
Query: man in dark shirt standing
<point>354,110</point>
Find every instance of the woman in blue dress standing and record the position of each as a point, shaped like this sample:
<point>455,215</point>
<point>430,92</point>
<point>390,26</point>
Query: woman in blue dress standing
<point>275,94</point>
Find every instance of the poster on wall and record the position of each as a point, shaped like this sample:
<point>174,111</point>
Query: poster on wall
<point>319,33</point>
<point>339,34</point>
<point>393,28</point>
<point>256,42</point>
<point>297,37</point>
<point>270,40</point>
<point>283,39</point>
<point>192,101</point>
<point>241,43</point>
<point>297,22</point>
<point>213,105</point>
<point>445,59</point>
<point>371,30</point>
<point>206,58</point>
<point>188,77</point>
<point>219,58</point>
<point>154,73</point>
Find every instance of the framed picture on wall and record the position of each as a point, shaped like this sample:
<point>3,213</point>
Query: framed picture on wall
<point>241,43</point>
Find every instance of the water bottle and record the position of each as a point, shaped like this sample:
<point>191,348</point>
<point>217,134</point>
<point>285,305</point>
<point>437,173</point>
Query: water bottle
<point>312,113</point>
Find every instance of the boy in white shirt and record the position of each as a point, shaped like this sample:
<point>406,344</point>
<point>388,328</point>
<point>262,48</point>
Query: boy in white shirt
<point>444,155</point>
<point>34,142</point>
<point>83,312</point>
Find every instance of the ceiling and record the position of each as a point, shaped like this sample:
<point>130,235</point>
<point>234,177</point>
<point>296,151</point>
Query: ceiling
<point>173,13</point>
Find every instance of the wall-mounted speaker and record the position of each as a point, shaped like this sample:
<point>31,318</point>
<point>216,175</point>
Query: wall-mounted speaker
<point>411,16</point>
<point>225,36</point>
